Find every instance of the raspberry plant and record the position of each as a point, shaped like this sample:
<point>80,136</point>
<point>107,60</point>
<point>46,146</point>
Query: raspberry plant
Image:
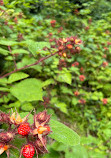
<point>35,133</point>
<point>56,55</point>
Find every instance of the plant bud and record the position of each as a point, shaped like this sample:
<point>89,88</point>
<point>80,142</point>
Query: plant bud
<point>6,137</point>
<point>41,146</point>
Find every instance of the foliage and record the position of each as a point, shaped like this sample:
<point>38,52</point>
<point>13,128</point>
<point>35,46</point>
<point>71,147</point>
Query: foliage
<point>74,88</point>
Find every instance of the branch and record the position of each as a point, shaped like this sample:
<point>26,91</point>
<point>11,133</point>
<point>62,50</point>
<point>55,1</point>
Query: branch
<point>27,66</point>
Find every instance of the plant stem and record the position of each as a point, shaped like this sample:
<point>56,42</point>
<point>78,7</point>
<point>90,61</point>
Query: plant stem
<point>27,66</point>
<point>13,57</point>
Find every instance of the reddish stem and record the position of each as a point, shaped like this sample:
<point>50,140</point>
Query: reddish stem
<point>27,66</point>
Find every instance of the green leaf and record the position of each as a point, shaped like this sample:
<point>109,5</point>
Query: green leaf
<point>17,76</point>
<point>3,51</point>
<point>20,51</point>
<point>47,82</point>
<point>30,117</point>
<point>74,101</point>
<point>63,134</point>
<point>77,152</point>
<point>35,47</point>
<point>27,90</point>
<point>64,77</point>
<point>3,80</point>
<point>27,107</point>
<point>62,107</point>
<point>8,42</point>
<point>3,89</point>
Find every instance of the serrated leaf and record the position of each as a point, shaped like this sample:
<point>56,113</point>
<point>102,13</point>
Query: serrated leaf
<point>63,134</point>
<point>35,47</point>
<point>27,90</point>
<point>17,76</point>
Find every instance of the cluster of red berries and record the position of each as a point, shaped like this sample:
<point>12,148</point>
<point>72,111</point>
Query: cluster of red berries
<point>81,77</point>
<point>76,93</point>
<point>68,46</point>
<point>105,63</point>
<point>35,133</point>
<point>53,23</point>
<point>75,64</point>
<point>82,101</point>
<point>1,2</point>
<point>105,101</point>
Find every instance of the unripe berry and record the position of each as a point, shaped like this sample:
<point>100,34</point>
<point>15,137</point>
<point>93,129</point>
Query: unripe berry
<point>42,129</point>
<point>69,46</point>
<point>64,55</point>
<point>5,137</point>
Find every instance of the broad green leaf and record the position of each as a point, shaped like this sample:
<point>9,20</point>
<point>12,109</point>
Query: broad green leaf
<point>3,89</point>
<point>3,80</point>
<point>66,90</point>
<point>17,76</point>
<point>74,101</point>
<point>64,77</point>
<point>20,51</point>
<point>52,154</point>
<point>8,42</point>
<point>16,104</point>
<point>77,152</point>
<point>62,106</point>
<point>47,82</point>
<point>63,134</point>
<point>35,47</point>
<point>27,90</point>
<point>3,51</point>
<point>27,106</point>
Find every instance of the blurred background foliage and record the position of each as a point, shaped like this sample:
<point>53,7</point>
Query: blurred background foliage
<point>84,106</point>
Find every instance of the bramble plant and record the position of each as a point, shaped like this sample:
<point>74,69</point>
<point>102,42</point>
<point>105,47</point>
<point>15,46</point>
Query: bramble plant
<point>35,133</point>
<point>55,55</point>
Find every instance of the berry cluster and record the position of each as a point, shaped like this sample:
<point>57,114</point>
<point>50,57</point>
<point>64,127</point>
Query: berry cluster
<point>35,133</point>
<point>66,48</point>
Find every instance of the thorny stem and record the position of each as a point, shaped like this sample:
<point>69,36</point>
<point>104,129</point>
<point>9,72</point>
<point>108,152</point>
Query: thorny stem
<point>27,66</point>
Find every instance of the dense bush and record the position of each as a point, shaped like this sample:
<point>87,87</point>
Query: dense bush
<point>56,55</point>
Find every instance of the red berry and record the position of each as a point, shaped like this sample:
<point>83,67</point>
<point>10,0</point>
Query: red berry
<point>28,151</point>
<point>105,101</point>
<point>24,129</point>
<point>81,77</point>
